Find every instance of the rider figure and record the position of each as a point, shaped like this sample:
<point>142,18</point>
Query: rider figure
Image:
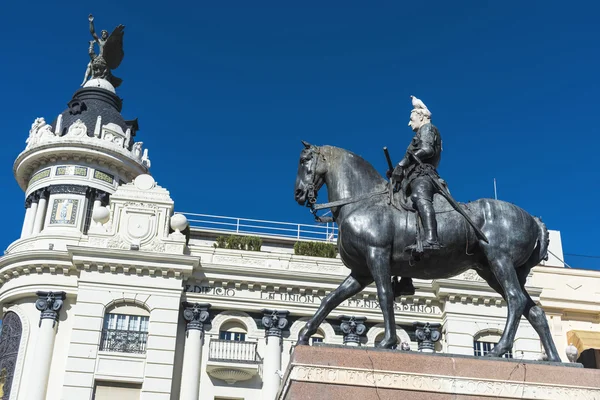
<point>427,146</point>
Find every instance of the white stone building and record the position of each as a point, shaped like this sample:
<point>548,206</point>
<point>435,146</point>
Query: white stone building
<point>109,293</point>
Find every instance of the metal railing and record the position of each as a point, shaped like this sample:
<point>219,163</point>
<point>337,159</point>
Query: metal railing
<point>325,232</point>
<point>235,351</point>
<point>123,341</point>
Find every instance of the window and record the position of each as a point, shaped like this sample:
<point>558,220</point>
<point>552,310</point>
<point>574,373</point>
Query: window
<point>125,330</point>
<point>317,337</point>
<point>482,348</point>
<point>485,342</point>
<point>115,390</point>
<point>233,330</point>
<point>235,336</point>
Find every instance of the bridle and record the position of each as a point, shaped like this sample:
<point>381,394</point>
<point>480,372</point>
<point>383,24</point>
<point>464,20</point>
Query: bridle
<point>315,186</point>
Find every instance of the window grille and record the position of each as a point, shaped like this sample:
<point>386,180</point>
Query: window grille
<point>481,348</point>
<point>124,333</point>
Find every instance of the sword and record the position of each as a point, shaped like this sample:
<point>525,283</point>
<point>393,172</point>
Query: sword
<point>480,235</point>
<point>390,170</point>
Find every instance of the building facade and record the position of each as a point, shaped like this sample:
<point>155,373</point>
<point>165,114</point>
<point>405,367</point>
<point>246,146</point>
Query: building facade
<point>109,292</point>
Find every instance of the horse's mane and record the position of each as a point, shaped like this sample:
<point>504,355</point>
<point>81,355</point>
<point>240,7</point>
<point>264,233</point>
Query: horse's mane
<point>358,163</point>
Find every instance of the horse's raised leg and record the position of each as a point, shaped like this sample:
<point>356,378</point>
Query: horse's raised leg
<point>378,260</point>
<point>506,276</point>
<point>347,289</point>
<point>537,318</point>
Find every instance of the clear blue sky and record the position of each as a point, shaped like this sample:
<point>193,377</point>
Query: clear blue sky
<point>225,92</point>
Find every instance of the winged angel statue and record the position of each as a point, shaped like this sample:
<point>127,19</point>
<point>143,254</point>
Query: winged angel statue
<point>109,56</point>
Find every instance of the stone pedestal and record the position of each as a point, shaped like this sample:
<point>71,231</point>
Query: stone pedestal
<point>341,372</point>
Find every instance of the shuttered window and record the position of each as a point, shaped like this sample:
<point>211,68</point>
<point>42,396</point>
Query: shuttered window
<point>114,390</point>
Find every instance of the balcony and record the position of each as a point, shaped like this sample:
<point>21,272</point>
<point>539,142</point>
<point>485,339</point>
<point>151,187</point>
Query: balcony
<point>233,361</point>
<point>123,341</point>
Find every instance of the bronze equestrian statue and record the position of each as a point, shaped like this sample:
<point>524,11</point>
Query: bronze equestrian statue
<point>499,240</point>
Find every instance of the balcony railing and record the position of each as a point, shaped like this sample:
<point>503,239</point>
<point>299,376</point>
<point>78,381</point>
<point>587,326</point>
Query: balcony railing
<point>325,232</point>
<point>233,351</point>
<point>122,341</point>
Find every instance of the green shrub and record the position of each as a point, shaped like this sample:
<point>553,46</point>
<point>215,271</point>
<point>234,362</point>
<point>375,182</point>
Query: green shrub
<point>315,249</point>
<point>236,242</point>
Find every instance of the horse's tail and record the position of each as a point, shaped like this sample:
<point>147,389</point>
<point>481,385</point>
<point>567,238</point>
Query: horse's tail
<point>541,249</point>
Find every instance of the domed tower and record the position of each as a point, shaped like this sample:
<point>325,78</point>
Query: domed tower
<point>73,165</point>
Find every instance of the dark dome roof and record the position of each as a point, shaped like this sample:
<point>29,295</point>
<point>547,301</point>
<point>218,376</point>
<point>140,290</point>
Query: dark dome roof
<point>90,102</point>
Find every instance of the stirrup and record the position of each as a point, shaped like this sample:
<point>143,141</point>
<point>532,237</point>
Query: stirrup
<point>432,245</point>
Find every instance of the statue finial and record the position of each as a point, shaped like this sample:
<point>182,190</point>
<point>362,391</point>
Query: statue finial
<point>109,56</point>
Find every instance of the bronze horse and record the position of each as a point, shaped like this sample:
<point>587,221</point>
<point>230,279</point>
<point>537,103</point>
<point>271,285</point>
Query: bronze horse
<point>373,235</point>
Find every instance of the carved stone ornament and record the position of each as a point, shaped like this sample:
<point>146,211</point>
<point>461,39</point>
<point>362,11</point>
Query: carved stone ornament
<point>77,129</point>
<point>274,322</point>
<point>34,131</point>
<point>117,242</point>
<point>427,334</point>
<point>353,328</point>
<point>196,314</point>
<point>50,303</point>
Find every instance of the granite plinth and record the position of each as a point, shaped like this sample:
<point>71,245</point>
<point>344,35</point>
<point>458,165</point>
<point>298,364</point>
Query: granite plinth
<point>340,372</point>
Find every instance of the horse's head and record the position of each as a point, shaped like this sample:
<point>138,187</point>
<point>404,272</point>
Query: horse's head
<point>311,173</point>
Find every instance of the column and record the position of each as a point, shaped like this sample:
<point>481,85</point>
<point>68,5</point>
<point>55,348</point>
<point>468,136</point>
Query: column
<point>353,328</point>
<point>195,314</point>
<point>34,206</point>
<point>40,215</point>
<point>427,334</point>
<point>49,303</point>
<point>28,216</point>
<point>274,322</point>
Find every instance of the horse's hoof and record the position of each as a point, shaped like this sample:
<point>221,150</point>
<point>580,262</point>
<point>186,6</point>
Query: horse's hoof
<point>387,344</point>
<point>302,343</point>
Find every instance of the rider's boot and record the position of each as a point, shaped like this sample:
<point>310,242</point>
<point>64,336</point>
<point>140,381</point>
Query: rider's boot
<point>427,214</point>
<point>404,287</point>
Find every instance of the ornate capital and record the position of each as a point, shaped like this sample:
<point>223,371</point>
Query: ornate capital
<point>196,314</point>
<point>427,334</point>
<point>274,321</point>
<point>353,328</point>
<point>50,303</point>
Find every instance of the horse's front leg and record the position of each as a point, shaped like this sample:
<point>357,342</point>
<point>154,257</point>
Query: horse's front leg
<point>379,263</point>
<point>347,289</point>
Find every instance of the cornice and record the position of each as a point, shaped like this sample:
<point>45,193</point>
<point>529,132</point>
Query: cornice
<point>32,159</point>
<point>133,261</point>
<point>566,271</point>
<point>34,261</point>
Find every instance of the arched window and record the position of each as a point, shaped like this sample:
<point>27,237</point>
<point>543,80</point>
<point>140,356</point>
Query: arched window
<point>10,340</point>
<point>485,341</point>
<point>125,329</point>
<point>318,337</point>
<point>233,330</point>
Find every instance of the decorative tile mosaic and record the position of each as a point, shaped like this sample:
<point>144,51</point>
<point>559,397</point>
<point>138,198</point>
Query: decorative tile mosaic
<point>45,173</point>
<point>103,176</point>
<point>71,170</point>
<point>64,211</point>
